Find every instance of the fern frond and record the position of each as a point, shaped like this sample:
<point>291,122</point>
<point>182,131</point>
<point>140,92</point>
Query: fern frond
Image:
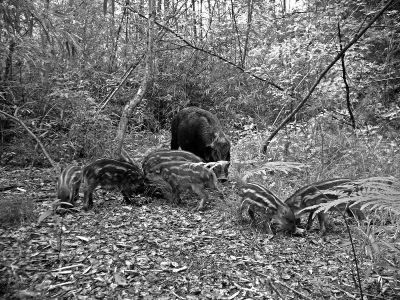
<point>373,193</point>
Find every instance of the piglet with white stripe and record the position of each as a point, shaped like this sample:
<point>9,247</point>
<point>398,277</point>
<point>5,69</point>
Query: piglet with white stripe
<point>182,176</point>
<point>111,174</point>
<point>278,214</point>
<point>68,184</point>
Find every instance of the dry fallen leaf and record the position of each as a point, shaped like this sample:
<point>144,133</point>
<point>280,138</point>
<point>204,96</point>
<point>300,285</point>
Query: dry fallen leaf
<point>120,279</point>
<point>179,269</point>
<point>83,238</point>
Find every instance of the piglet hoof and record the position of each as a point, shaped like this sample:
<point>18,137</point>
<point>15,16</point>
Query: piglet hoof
<point>87,207</point>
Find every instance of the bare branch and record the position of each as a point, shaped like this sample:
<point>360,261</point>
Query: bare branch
<point>16,120</point>
<point>353,122</point>
<point>187,43</point>
<point>123,79</point>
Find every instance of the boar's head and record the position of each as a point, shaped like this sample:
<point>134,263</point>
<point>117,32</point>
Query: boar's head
<point>219,150</point>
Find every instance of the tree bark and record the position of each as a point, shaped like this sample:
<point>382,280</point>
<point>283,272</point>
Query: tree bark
<point>119,139</point>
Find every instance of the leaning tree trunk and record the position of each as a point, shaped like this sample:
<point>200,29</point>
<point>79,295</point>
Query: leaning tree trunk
<point>143,85</point>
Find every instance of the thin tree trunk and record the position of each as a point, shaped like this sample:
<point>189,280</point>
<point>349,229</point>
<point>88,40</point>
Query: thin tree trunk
<point>166,13</point>
<point>344,75</point>
<point>119,139</point>
<point>194,21</point>
<point>250,5</point>
<point>235,27</point>
<point>103,103</point>
<point>8,70</point>
<point>113,41</point>
<point>201,20</point>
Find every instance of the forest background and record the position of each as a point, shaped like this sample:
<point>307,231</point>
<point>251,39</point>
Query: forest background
<point>249,62</point>
<point>69,68</point>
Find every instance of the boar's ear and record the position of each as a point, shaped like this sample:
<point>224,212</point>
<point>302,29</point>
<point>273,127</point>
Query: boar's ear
<point>212,144</point>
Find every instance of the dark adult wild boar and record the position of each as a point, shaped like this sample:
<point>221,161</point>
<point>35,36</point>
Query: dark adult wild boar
<point>200,132</point>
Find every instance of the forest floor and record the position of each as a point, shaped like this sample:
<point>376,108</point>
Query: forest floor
<point>158,250</point>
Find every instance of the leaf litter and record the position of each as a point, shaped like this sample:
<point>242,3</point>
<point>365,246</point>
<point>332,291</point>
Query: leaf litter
<point>165,251</point>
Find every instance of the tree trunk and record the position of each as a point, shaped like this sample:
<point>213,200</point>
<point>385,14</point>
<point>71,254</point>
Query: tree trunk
<point>119,139</point>
<point>250,5</point>
<point>8,70</point>
<point>236,29</point>
<point>194,21</point>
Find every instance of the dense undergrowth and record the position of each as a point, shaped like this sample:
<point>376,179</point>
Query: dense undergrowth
<point>323,153</point>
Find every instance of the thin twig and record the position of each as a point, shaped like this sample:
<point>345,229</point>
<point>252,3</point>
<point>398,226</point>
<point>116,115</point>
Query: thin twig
<point>250,290</point>
<point>68,267</point>
<point>103,103</point>
<point>354,255</point>
<point>179,297</point>
<point>15,119</point>
<point>293,290</point>
<point>344,75</point>
<point>275,289</point>
<point>52,287</point>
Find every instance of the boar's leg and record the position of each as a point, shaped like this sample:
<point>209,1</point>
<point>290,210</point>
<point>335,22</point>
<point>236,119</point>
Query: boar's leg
<point>321,219</point>
<point>126,196</point>
<point>242,207</point>
<point>310,220</point>
<point>322,222</point>
<point>171,191</point>
<point>175,196</point>
<point>88,197</point>
<point>196,188</point>
<point>250,212</point>
<point>75,195</point>
<point>245,206</point>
